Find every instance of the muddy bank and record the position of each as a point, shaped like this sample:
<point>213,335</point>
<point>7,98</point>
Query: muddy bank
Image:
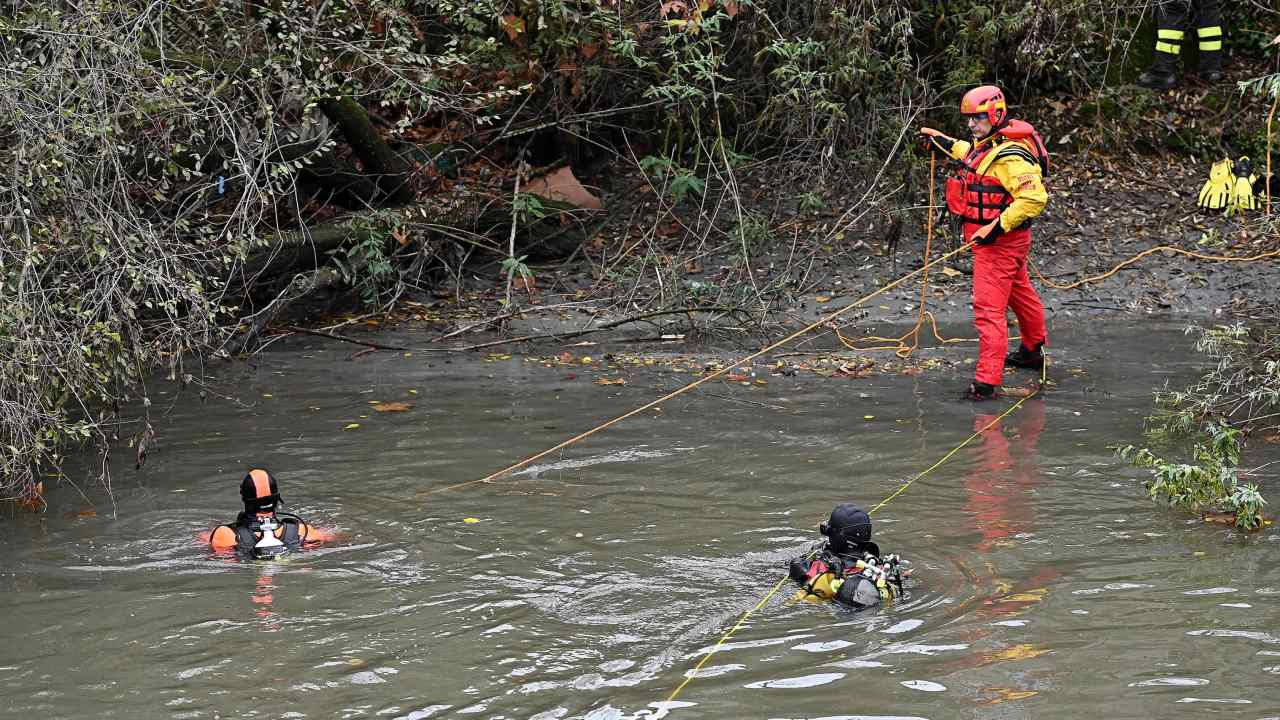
<point>1100,214</point>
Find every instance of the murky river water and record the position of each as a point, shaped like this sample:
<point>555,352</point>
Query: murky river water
<point>1049,586</point>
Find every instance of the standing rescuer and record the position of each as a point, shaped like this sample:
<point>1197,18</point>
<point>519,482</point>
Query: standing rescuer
<point>1174,20</point>
<point>997,192</point>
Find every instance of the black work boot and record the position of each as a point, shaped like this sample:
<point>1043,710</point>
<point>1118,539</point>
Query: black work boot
<point>980,391</point>
<point>1025,358</point>
<point>1163,72</point>
<point>1154,79</point>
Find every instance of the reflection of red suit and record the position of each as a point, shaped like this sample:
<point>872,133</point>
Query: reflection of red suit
<point>999,501</point>
<point>999,488</point>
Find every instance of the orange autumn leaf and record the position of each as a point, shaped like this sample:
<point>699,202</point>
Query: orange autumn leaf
<point>514,26</point>
<point>611,381</point>
<point>393,406</point>
<point>735,377</point>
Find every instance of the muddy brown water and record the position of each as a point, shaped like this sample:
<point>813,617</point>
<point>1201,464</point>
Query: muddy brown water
<point>1049,586</point>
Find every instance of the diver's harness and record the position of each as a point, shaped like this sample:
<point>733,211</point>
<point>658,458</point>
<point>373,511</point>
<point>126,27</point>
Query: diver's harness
<point>885,574</point>
<point>258,536</point>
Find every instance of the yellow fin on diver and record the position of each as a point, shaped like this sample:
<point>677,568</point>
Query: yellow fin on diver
<point>1216,192</point>
<point>1242,197</point>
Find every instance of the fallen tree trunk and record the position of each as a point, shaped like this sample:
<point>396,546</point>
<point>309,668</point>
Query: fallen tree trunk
<point>390,171</point>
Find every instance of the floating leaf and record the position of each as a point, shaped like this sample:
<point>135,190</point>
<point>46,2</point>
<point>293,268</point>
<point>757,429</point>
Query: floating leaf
<point>586,360</point>
<point>949,272</point>
<point>822,299</point>
<point>351,426</point>
<point>394,406</point>
<point>611,381</point>
<point>471,520</point>
<point>868,417</point>
<point>734,377</point>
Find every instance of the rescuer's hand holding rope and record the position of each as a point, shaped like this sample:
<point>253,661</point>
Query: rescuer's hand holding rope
<point>996,193</point>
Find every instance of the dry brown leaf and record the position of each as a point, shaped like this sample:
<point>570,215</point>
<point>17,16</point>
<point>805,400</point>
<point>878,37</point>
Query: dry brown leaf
<point>1273,439</point>
<point>562,185</point>
<point>513,25</point>
<point>393,406</point>
<point>611,381</point>
<point>949,272</point>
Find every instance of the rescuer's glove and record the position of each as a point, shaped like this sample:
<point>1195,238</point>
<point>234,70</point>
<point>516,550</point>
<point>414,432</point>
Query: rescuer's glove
<point>1216,191</point>
<point>937,138</point>
<point>988,233</point>
<point>1242,186</point>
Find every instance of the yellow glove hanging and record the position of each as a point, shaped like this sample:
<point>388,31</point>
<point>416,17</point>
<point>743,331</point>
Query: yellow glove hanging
<point>1215,194</point>
<point>1242,187</point>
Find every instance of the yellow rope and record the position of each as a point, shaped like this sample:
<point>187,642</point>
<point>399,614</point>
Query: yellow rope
<point>724,638</point>
<point>1044,371</point>
<point>707,378</point>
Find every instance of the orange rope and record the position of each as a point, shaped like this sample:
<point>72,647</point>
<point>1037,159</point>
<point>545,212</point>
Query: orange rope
<point>1144,253</point>
<point>900,346</point>
<point>707,378</point>
<point>1267,182</point>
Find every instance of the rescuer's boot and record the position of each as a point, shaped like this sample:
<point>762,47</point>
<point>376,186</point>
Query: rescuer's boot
<point>980,391</point>
<point>1024,358</point>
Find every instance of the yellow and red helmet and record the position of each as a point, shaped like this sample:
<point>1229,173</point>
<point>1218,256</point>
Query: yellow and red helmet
<point>985,100</point>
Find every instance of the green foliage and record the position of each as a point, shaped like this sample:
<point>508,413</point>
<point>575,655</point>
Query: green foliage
<point>528,207</point>
<point>513,266</point>
<point>1239,393</point>
<point>680,181</point>
<point>365,264</point>
<point>752,234</point>
<point>1211,480</point>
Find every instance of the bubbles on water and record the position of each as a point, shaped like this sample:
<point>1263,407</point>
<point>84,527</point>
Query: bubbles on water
<point>1250,634</point>
<point>505,627</point>
<point>1109,587</point>
<point>923,685</point>
<point>818,647</point>
<point>901,627</point>
<point>1211,591</point>
<point>425,712</point>
<point>803,681</point>
<point>1170,681</point>
<point>713,670</point>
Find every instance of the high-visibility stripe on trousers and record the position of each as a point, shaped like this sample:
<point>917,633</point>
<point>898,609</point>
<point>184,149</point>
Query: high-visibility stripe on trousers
<point>1000,281</point>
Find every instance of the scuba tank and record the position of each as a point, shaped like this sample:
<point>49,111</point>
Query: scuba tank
<point>269,546</point>
<point>859,583</point>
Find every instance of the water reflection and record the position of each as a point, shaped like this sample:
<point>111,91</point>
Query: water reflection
<point>1049,587</point>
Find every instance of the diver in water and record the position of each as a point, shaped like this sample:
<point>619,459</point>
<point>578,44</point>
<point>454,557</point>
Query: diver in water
<point>260,530</point>
<point>848,567</point>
